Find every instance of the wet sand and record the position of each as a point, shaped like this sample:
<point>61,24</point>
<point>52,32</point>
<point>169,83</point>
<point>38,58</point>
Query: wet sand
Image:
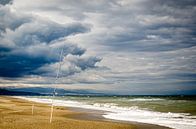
<point>17,114</point>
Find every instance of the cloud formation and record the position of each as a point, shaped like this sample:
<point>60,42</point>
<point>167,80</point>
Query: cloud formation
<point>28,43</point>
<point>143,44</point>
<point>4,2</point>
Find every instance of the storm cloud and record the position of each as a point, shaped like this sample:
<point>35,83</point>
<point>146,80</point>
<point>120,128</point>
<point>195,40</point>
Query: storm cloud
<point>28,43</point>
<point>132,46</point>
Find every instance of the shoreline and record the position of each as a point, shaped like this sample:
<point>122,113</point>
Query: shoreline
<point>96,115</point>
<point>74,115</point>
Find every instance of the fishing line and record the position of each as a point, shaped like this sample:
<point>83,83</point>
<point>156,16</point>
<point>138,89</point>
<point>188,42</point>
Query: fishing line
<point>56,79</point>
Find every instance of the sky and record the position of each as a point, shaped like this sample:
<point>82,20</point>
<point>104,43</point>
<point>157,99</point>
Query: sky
<point>115,46</point>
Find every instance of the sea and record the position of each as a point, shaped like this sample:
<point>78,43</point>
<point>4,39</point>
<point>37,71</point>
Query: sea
<point>176,112</point>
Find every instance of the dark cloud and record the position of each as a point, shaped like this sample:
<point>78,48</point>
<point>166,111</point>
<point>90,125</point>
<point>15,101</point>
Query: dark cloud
<point>25,62</point>
<point>84,63</point>
<point>28,43</point>
<point>148,45</point>
<point>41,32</point>
<point>70,65</point>
<point>171,23</point>
<point>4,2</point>
<point>11,20</point>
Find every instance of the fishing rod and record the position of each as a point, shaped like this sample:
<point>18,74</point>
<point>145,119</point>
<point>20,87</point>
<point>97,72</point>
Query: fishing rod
<point>54,91</point>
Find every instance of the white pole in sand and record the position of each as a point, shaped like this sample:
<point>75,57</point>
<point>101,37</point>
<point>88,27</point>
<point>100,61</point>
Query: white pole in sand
<point>51,113</point>
<point>32,109</point>
<point>57,76</point>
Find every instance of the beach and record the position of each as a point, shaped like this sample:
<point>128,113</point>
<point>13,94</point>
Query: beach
<point>17,114</point>
<point>174,112</point>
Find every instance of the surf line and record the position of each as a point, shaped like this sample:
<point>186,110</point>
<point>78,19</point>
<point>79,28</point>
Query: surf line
<point>56,79</point>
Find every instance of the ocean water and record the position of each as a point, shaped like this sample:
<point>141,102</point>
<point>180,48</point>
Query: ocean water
<point>174,112</point>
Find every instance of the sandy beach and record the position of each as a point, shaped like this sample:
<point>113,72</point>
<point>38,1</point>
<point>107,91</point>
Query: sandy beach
<point>17,114</point>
